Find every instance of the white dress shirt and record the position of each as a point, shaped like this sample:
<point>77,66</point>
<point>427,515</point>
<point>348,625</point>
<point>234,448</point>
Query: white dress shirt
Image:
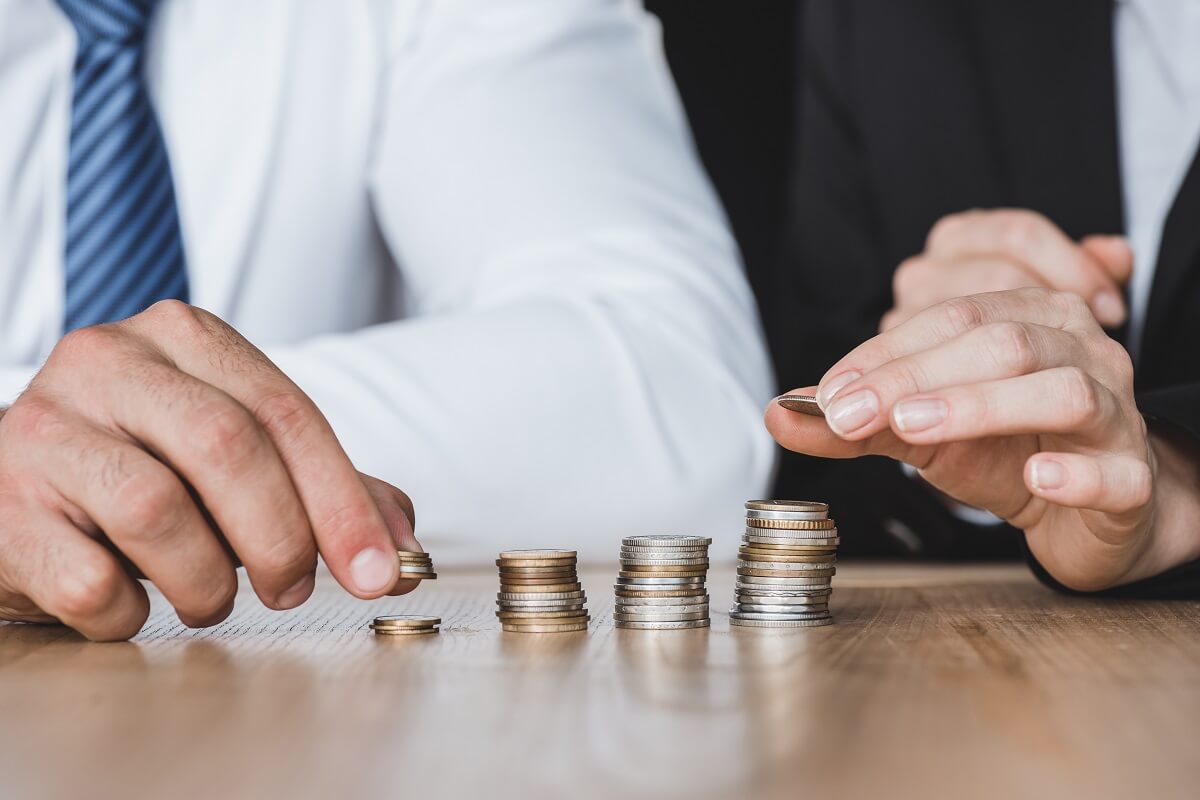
<point>474,231</point>
<point>1158,108</point>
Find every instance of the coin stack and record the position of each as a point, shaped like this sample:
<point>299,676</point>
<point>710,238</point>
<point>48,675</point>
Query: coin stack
<point>785,565</point>
<point>415,565</point>
<point>540,592</point>
<point>405,625</point>
<point>661,583</point>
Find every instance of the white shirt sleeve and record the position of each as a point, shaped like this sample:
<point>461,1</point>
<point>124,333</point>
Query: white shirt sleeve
<point>584,360</point>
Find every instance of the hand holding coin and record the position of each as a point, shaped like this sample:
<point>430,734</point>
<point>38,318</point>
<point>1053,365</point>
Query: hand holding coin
<point>1018,402</point>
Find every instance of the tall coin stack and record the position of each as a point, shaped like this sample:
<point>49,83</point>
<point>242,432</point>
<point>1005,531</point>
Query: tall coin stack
<point>785,565</point>
<point>540,592</point>
<point>661,583</point>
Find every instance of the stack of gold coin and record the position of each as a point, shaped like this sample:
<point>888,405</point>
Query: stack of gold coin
<point>415,565</point>
<point>661,583</point>
<point>405,625</point>
<point>785,565</point>
<point>540,592</point>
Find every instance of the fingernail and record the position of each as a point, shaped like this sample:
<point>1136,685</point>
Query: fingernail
<point>833,386</point>
<point>374,570</point>
<point>851,413</point>
<point>297,594</point>
<point>1048,475</point>
<point>1109,308</point>
<point>913,416</point>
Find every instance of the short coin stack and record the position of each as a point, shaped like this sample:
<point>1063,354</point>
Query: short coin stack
<point>540,592</point>
<point>785,565</point>
<point>405,625</point>
<point>415,565</point>
<point>661,583</point>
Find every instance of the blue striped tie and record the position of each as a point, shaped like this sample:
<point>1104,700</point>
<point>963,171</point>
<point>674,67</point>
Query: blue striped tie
<point>124,248</point>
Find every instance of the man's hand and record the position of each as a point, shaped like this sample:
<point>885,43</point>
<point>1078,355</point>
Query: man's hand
<point>991,251</point>
<point>167,446</point>
<point>1017,402</point>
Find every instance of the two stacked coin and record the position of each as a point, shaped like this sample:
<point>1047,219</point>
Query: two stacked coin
<point>415,565</point>
<point>540,592</point>
<point>785,565</point>
<point>661,583</point>
<point>405,625</point>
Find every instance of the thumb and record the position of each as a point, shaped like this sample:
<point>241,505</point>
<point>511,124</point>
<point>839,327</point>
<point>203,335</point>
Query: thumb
<point>1113,253</point>
<point>398,514</point>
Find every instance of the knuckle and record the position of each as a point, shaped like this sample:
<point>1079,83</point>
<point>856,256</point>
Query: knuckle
<point>909,275</point>
<point>1070,303</point>
<point>88,345</point>
<point>226,434</point>
<point>1114,355</point>
<point>148,504</point>
<point>286,415</point>
<point>947,227</point>
<point>1019,229</point>
<point>1141,484</point>
<point>1013,347</point>
<point>35,419</point>
<point>962,314</point>
<point>347,524</point>
<point>1078,395</point>
<point>87,589</point>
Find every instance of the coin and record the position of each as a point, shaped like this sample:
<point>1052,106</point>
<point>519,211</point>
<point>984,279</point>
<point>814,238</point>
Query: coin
<point>642,611</point>
<point>406,621</point>
<point>654,581</point>
<point>792,616</point>
<point>535,562</point>
<point>661,601</point>
<point>776,541</point>
<point>402,631</point>
<point>809,564</point>
<point>781,623</point>
<point>667,570</point>
<point>664,592</point>
<point>536,615</point>
<point>539,553</point>
<point>802,403</point>
<point>668,540</point>
<point>656,563</point>
<point>545,627</point>
<point>570,595</point>
<point>789,609</point>
<point>662,626</point>
<point>787,515</point>
<point>756,523</point>
<point>789,506</point>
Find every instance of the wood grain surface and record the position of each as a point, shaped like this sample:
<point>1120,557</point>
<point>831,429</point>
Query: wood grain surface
<point>952,681</point>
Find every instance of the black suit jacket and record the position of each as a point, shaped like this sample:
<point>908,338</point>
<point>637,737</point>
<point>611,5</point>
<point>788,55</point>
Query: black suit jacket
<point>916,109</point>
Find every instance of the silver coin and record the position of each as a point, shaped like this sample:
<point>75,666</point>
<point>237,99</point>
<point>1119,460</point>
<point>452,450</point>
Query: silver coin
<point>790,610</point>
<point>735,614</point>
<point>781,623</point>
<point>787,515</point>
<point>790,536</point>
<point>785,566</point>
<point>759,596</point>
<point>629,548</point>
<point>662,610</point>
<point>691,615</point>
<point>662,626</point>
<point>662,601</point>
<point>664,562</point>
<point>822,582</point>
<point>547,605</point>
<point>667,540</point>
<point>786,505</point>
<point>689,581</point>
<point>540,595</point>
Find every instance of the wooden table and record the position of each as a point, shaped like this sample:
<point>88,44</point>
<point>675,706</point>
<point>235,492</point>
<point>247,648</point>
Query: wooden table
<point>962,682</point>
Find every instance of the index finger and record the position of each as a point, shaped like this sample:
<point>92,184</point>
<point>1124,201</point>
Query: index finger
<point>350,532</point>
<point>1039,245</point>
<point>949,320</point>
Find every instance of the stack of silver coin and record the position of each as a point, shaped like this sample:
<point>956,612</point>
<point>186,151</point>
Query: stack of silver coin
<point>540,592</point>
<point>661,583</point>
<point>785,565</point>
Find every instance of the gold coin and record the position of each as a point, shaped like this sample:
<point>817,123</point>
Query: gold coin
<point>779,573</point>
<point>566,627</point>
<point>690,574</point>
<point>403,631</point>
<point>535,562</point>
<point>536,615</point>
<point>532,554</point>
<point>541,588</point>
<point>792,524</point>
<point>407,621</point>
<point>505,569</point>
<point>801,403</point>
<point>811,558</point>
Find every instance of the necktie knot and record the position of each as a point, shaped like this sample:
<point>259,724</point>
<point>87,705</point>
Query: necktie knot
<point>123,21</point>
